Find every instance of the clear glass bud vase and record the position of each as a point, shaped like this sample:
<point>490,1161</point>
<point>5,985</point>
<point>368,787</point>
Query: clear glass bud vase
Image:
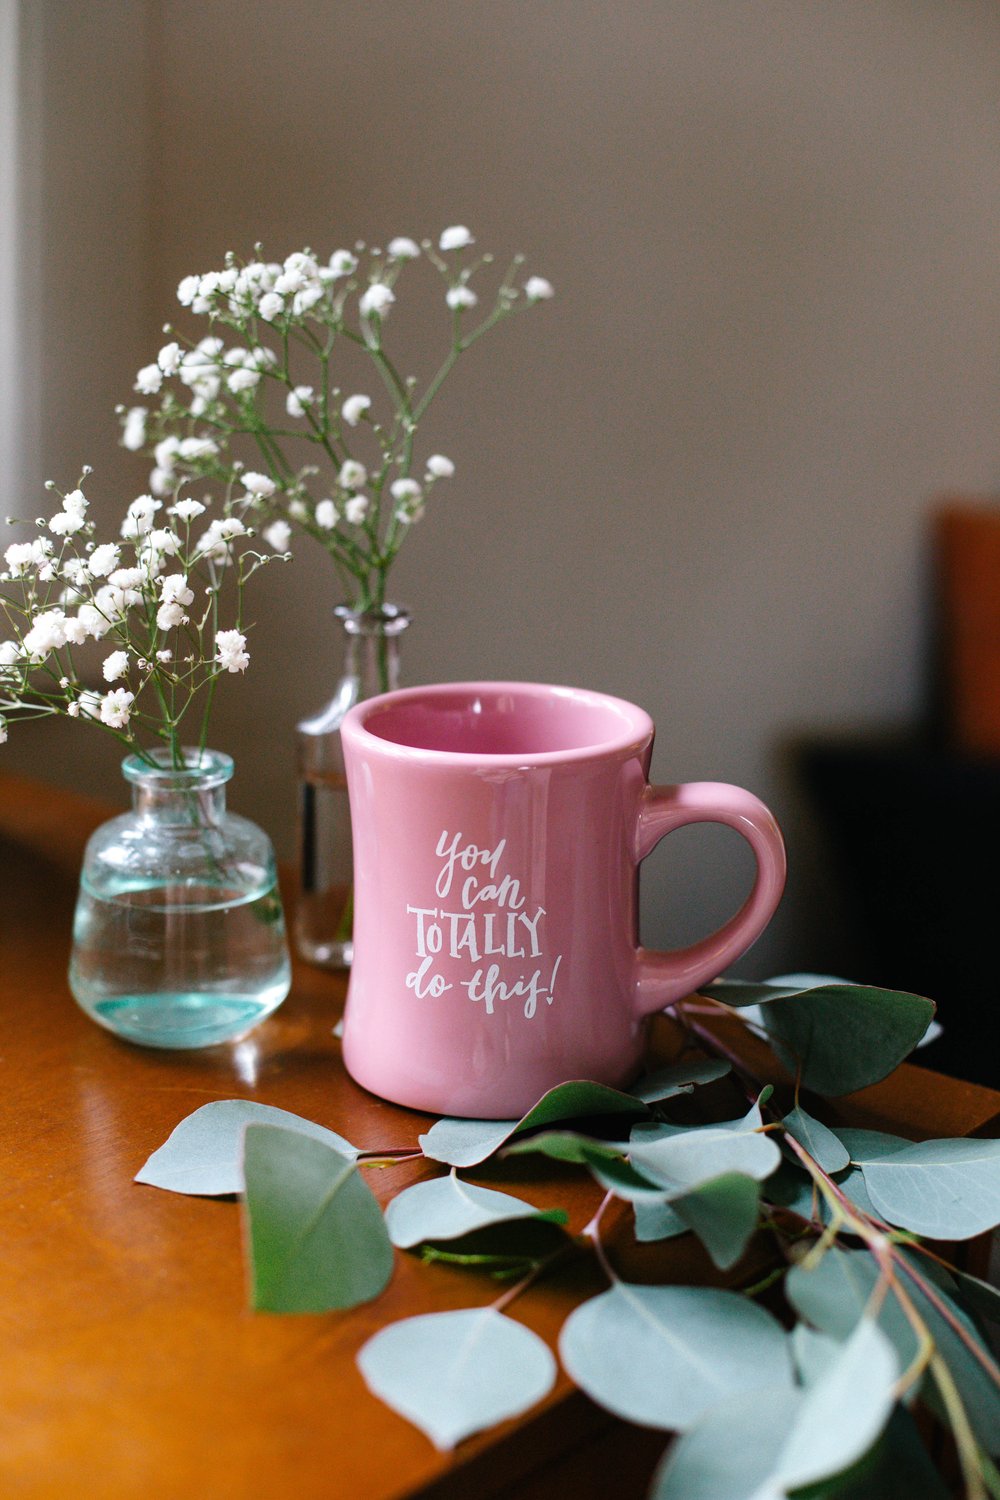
<point>324,915</point>
<point>179,935</point>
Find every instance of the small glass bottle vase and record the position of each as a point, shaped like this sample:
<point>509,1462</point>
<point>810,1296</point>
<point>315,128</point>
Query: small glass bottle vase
<point>324,915</point>
<point>179,934</point>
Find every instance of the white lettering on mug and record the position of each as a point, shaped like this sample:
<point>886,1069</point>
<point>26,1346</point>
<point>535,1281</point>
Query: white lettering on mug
<point>472,934</point>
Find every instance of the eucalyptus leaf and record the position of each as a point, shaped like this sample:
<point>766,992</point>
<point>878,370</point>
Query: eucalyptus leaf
<point>842,1036</point>
<point>647,1131</point>
<point>445,1209</point>
<point>823,1145</point>
<point>568,1146</point>
<point>980,1296</point>
<point>812,1351</point>
<point>315,1234</point>
<point>723,1213</point>
<point>454,1373</point>
<point>898,1467</point>
<point>946,1189</point>
<point>764,1443</point>
<point>663,1356</point>
<point>203,1156</point>
<point>697,1156</point>
<point>466,1143</point>
<point>834,1295</point>
<point>679,1078</point>
<point>871,1145</point>
<point>657,1221</point>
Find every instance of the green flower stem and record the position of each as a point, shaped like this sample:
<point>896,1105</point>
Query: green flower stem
<point>965,1442</point>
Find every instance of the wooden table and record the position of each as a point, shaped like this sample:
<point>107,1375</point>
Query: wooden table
<point>130,1363</point>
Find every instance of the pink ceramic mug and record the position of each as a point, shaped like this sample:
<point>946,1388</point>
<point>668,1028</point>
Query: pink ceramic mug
<point>498,829</point>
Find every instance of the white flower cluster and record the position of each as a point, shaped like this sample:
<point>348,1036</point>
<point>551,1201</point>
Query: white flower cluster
<point>262,378</point>
<point>63,589</point>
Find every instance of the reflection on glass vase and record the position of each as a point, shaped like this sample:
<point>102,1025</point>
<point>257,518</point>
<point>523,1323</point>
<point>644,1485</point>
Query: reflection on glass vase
<point>323,925</point>
<point>179,934</point>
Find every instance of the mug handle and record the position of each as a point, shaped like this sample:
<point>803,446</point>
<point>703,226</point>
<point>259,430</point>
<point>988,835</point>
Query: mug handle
<point>664,978</point>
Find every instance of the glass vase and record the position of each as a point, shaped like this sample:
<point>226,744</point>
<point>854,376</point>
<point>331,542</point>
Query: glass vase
<point>179,935</point>
<point>324,914</point>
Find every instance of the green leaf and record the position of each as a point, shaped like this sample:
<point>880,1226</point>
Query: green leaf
<point>657,1221</point>
<point>834,1294</point>
<point>679,1078</point>
<point>694,1157</point>
<point>844,1036</point>
<point>569,1146</point>
<point>765,1442</point>
<point>466,1143</point>
<point>604,1158</point>
<point>316,1236</point>
<point>648,1131</point>
<point>898,1467</point>
<point>980,1296</point>
<point>723,1213</point>
<point>871,1145</point>
<point>823,1145</point>
<point>445,1209</point>
<point>454,1373</point>
<point>663,1356</point>
<point>203,1156</point>
<point>947,1189</point>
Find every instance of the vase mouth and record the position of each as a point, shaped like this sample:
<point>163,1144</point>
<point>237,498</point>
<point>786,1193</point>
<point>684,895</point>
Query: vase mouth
<point>203,769</point>
<point>380,619</point>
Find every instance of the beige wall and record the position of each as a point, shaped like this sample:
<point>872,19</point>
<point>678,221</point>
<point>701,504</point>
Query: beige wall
<point>698,478</point>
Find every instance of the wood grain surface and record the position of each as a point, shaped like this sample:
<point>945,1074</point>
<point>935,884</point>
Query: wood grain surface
<point>129,1362</point>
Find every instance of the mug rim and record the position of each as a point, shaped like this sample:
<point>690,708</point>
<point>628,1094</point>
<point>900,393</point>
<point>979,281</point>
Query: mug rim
<point>636,735</point>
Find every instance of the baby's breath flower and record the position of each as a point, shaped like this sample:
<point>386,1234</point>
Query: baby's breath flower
<point>149,380</point>
<point>174,589</point>
<point>103,560</point>
<point>277,535</point>
<point>188,290</point>
<point>271,306</point>
<point>259,484</point>
<point>116,708</point>
<point>405,489</point>
<point>94,622</point>
<point>352,475</point>
<point>186,510</point>
<point>376,300</point>
<point>47,633</point>
<point>217,378</point>
<point>134,428</point>
<point>169,616</point>
<point>230,651</point>
<point>343,263</point>
<point>354,409</point>
<point>298,399</point>
<point>139,517</point>
<point>169,358</point>
<point>242,380</point>
<point>115,666</point>
<point>402,248</point>
<point>457,237</point>
<point>460,296</point>
<point>127,578</point>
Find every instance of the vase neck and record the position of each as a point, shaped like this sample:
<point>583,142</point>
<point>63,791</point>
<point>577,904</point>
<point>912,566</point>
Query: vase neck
<point>192,794</point>
<point>371,647</point>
